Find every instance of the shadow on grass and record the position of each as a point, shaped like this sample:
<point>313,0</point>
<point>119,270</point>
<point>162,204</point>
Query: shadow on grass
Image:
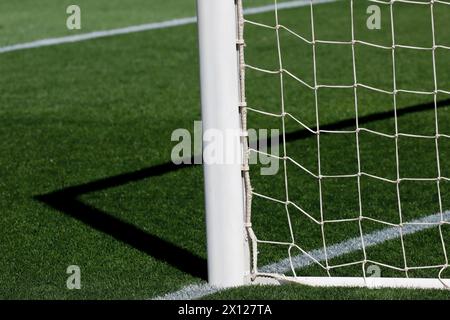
<point>66,201</point>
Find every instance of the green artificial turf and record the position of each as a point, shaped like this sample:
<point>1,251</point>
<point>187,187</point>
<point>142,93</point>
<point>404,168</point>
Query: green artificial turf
<point>299,292</point>
<point>28,20</point>
<point>76,113</point>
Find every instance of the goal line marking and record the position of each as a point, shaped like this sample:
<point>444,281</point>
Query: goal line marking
<point>196,291</point>
<point>145,27</point>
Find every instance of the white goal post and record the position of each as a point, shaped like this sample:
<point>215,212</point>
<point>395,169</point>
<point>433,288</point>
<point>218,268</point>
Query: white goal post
<point>231,243</point>
<point>224,198</point>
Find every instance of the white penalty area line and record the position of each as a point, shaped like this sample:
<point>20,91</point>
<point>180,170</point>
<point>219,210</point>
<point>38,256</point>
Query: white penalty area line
<point>146,27</point>
<point>197,291</point>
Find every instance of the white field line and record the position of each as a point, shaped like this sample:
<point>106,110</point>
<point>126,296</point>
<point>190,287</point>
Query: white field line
<point>196,291</point>
<point>145,27</point>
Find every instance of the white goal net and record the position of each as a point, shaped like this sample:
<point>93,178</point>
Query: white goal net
<point>362,193</point>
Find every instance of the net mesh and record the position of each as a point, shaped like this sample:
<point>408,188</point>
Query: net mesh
<point>402,225</point>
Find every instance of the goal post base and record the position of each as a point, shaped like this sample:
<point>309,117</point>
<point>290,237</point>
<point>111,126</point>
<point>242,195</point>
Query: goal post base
<point>356,282</point>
